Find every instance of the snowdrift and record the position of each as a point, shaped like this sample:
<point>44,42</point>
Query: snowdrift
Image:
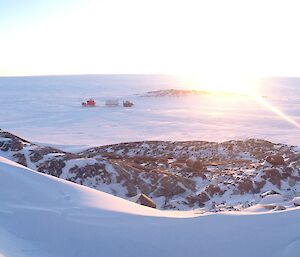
<point>45,216</point>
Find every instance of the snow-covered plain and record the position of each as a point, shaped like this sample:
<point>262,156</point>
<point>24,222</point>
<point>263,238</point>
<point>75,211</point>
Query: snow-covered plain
<point>48,110</point>
<point>46,216</point>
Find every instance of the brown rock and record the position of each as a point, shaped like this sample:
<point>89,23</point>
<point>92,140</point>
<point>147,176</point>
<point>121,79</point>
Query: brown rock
<point>246,186</point>
<point>146,201</point>
<point>194,199</point>
<point>194,163</point>
<point>170,186</point>
<point>275,160</point>
<point>286,172</point>
<point>273,175</point>
<point>36,156</point>
<point>52,167</point>
<point>16,145</point>
<point>39,153</point>
<point>203,197</point>
<point>20,158</point>
<point>258,186</point>
<point>214,190</point>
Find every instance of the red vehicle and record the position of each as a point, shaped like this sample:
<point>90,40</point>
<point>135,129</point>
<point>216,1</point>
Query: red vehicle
<point>89,103</point>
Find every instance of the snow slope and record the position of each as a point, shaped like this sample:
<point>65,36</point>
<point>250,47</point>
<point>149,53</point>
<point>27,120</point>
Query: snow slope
<point>45,216</point>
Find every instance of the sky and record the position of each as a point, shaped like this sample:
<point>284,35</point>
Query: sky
<point>204,38</point>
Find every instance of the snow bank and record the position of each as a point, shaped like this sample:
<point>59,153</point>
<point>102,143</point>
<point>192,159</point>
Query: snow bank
<point>44,216</point>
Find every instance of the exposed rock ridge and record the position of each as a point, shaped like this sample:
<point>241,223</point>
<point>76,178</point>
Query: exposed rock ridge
<point>232,175</point>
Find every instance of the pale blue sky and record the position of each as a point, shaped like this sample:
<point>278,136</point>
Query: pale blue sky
<point>15,14</point>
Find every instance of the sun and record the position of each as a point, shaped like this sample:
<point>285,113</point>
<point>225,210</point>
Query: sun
<point>221,84</point>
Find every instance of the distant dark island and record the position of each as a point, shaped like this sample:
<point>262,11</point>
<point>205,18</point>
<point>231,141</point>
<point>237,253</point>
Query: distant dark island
<point>182,92</point>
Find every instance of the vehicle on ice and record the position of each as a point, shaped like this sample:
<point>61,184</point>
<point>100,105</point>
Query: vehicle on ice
<point>112,102</point>
<point>89,103</point>
<point>127,103</point>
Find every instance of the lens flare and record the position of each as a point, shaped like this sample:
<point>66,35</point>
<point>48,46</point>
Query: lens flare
<point>275,110</point>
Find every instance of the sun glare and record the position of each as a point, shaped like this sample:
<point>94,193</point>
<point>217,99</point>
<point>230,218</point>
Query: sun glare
<point>221,84</point>
<point>237,85</point>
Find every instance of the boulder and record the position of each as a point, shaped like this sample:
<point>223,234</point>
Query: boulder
<point>280,208</point>
<point>246,186</point>
<point>258,186</point>
<point>275,160</point>
<point>36,156</point>
<point>272,175</point>
<point>146,201</point>
<point>286,172</point>
<point>20,158</point>
<point>214,190</point>
<point>194,163</point>
<point>292,181</point>
<point>203,197</point>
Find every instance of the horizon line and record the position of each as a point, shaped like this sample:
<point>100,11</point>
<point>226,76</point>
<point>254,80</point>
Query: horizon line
<point>123,74</point>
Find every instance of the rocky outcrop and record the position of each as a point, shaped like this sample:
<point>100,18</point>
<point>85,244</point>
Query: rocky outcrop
<point>15,143</point>
<point>173,175</point>
<point>52,167</point>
